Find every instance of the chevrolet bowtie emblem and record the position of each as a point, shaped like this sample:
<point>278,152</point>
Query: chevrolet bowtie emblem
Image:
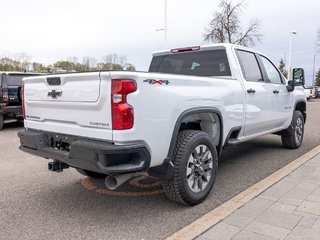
<point>54,94</point>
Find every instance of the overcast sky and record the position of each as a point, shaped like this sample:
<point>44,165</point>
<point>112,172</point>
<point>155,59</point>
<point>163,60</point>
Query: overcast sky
<point>51,30</point>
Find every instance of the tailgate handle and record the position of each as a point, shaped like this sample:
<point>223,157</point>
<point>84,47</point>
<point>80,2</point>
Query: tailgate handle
<point>54,81</point>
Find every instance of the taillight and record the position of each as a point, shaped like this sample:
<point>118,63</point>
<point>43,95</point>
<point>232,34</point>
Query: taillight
<point>5,95</point>
<point>187,49</point>
<point>310,91</point>
<point>122,112</point>
<point>22,100</point>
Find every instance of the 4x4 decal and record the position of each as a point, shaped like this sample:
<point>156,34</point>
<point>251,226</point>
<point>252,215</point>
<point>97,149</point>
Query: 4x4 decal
<point>154,81</point>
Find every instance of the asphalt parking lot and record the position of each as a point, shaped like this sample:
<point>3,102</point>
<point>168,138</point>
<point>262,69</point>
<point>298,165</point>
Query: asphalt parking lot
<point>38,204</point>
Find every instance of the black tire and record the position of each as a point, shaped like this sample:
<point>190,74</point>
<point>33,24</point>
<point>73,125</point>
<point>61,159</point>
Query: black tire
<point>186,158</point>
<point>90,173</point>
<point>1,121</point>
<point>294,139</point>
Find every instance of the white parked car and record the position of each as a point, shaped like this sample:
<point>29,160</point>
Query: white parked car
<point>171,122</point>
<point>310,92</point>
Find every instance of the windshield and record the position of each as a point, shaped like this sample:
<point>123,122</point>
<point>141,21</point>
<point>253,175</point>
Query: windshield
<point>202,63</point>
<point>14,80</point>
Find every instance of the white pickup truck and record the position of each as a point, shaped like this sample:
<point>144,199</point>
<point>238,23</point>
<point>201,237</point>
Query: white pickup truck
<point>171,122</point>
<point>310,92</point>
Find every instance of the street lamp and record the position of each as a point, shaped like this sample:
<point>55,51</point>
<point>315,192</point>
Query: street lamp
<point>165,23</point>
<point>313,70</point>
<point>165,29</point>
<point>290,49</point>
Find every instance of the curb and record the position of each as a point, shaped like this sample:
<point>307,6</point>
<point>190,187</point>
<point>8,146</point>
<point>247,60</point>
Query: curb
<point>202,224</point>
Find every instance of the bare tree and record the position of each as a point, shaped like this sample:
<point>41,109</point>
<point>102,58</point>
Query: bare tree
<point>73,59</point>
<point>225,25</point>
<point>16,62</point>
<point>115,59</point>
<point>129,67</point>
<point>115,62</point>
<point>24,59</point>
<point>88,63</point>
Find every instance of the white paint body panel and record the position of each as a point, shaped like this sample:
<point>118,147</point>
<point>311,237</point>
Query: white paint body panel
<point>86,101</point>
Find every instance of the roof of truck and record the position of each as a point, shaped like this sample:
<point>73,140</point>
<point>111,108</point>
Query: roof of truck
<point>203,48</point>
<point>19,73</point>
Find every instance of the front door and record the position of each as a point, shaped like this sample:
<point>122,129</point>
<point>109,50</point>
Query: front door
<point>281,99</point>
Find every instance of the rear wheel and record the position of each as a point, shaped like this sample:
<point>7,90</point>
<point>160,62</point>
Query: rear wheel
<point>195,165</point>
<point>294,139</point>
<point>90,173</point>
<point>1,121</point>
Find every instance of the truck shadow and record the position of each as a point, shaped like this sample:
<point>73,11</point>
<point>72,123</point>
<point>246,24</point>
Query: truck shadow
<point>12,124</point>
<point>141,203</point>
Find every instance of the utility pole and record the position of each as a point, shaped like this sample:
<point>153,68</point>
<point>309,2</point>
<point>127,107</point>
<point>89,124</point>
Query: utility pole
<point>165,29</point>
<point>165,23</point>
<point>313,71</point>
<point>289,58</point>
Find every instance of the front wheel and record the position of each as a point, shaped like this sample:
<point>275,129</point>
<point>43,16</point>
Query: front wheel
<point>294,139</point>
<point>195,165</point>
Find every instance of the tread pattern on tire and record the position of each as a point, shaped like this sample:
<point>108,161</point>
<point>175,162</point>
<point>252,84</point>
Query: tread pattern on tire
<point>288,140</point>
<point>173,186</point>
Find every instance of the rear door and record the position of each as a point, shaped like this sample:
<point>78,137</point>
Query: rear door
<point>258,106</point>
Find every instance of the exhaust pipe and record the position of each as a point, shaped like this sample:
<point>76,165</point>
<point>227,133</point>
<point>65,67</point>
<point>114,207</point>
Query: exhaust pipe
<point>112,182</point>
<point>57,166</point>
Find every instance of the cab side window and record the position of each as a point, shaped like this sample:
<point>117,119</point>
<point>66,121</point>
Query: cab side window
<point>249,66</point>
<point>272,72</point>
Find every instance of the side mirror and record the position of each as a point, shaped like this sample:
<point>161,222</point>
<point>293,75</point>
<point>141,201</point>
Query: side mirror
<point>298,77</point>
<point>290,86</point>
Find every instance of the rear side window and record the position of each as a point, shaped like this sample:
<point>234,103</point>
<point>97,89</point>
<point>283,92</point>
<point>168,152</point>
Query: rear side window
<point>202,63</point>
<point>249,66</point>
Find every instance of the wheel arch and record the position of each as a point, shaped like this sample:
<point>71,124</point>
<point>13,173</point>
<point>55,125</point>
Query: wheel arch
<point>198,119</point>
<point>302,107</point>
<point>165,171</point>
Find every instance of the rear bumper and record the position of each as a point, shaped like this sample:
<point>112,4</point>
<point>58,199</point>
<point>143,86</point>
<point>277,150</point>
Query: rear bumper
<point>88,154</point>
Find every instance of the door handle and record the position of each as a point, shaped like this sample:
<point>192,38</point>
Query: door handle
<point>251,91</point>
<point>276,91</point>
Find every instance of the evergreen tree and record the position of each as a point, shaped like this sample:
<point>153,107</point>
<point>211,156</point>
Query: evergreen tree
<point>317,81</point>
<point>282,68</point>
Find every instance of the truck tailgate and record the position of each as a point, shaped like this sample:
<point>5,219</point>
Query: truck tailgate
<point>69,103</point>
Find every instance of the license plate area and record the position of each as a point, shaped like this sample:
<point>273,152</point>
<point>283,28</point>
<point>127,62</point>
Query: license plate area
<point>60,142</point>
